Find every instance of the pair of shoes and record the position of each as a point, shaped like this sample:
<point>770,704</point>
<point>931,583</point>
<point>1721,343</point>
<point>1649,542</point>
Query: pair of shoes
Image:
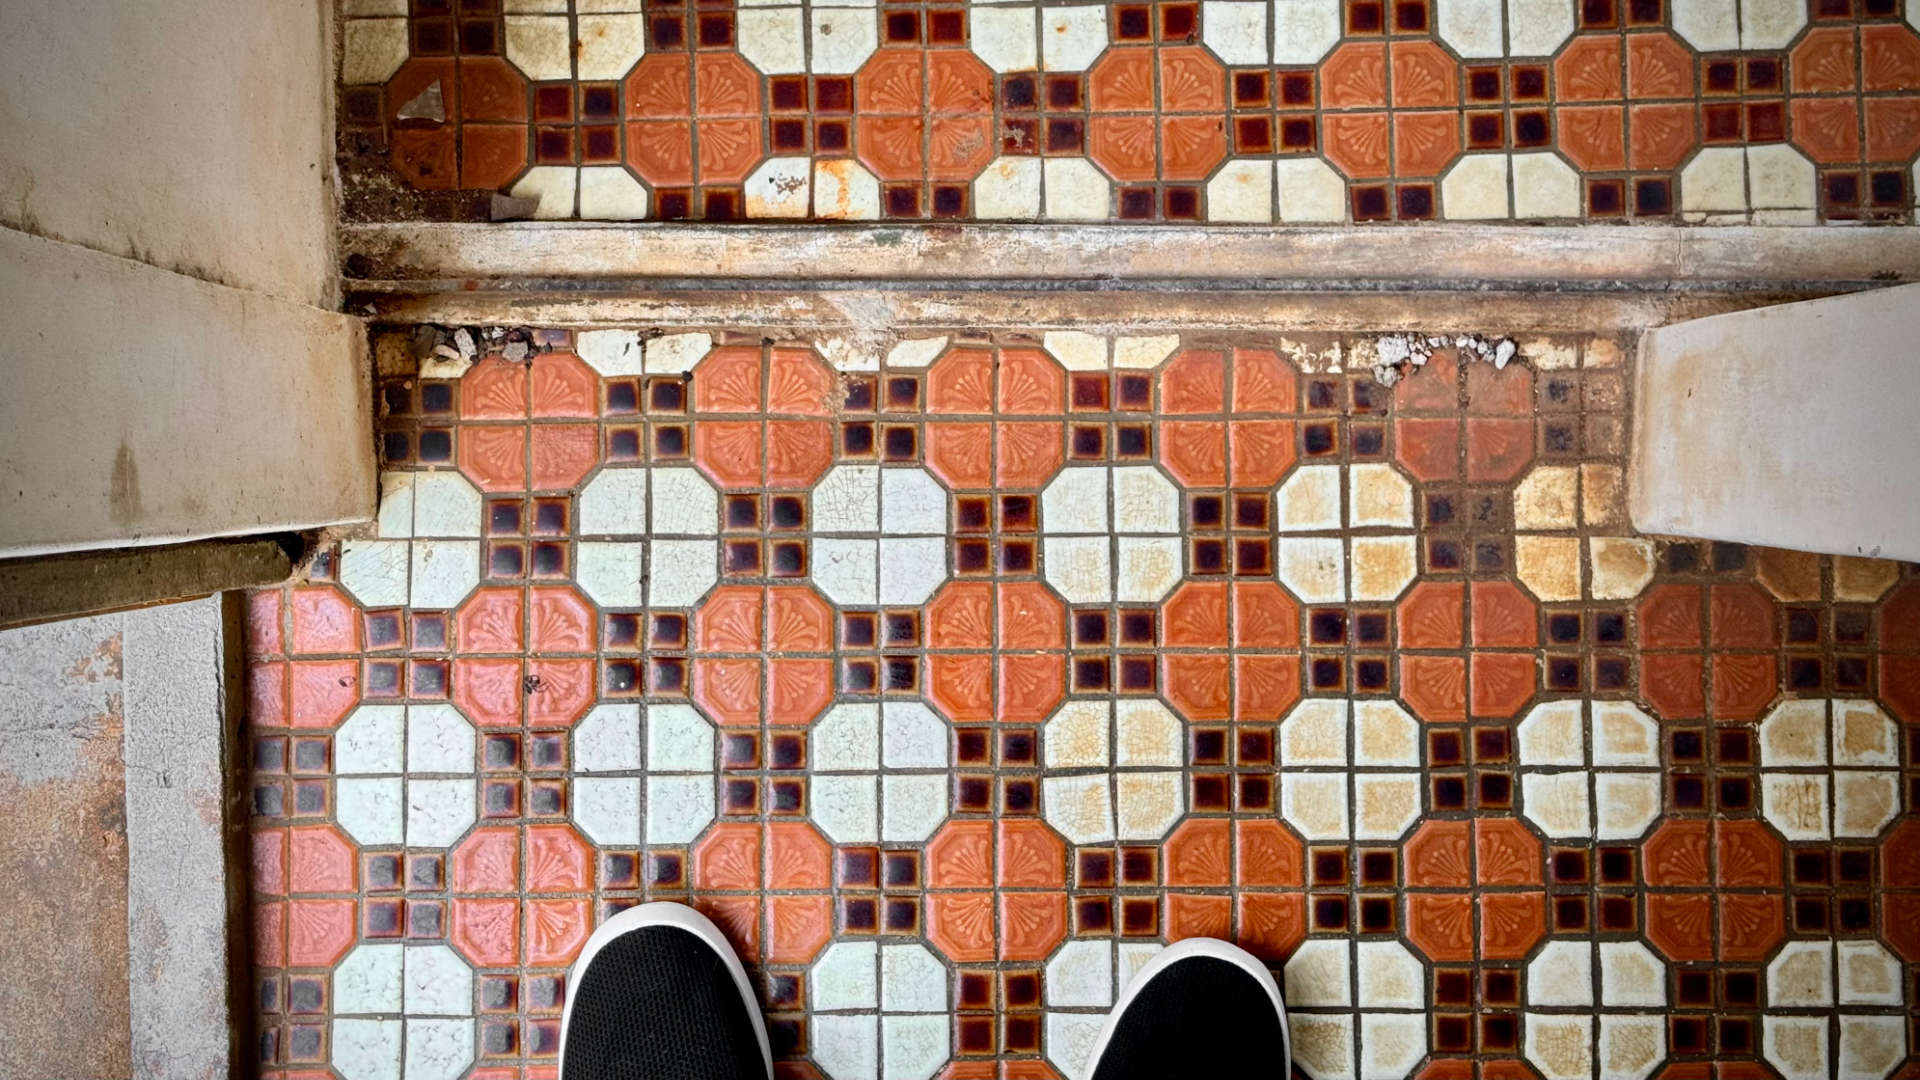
<point>658,994</point>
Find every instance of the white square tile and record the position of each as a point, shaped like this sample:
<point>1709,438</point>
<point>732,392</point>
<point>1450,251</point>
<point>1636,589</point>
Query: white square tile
<point>1476,188</point>
<point>848,571</point>
<point>1004,38</point>
<point>678,807</point>
<point>844,977</point>
<point>1312,568</point>
<point>1080,975</point>
<point>1537,27</point>
<point>610,573</point>
<point>541,46</point>
<point>1625,803</point>
<point>772,39</point>
<point>1561,976</point>
<point>1796,1045</point>
<point>438,811</point>
<point>1309,500</point>
<point>614,503</point>
<point>1630,1047</point>
<point>1147,804</point>
<point>1315,804</point>
<point>1631,976</point>
<point>607,809</point>
<point>1075,736</point>
<point>842,39</point>
<point>1707,25</point>
<point>1560,1047</point>
<point>847,499</point>
<point>1308,189</point>
<point>1391,1044</point>
<point>847,1047</point>
<point>1072,37</point>
<point>375,571</point>
<point>368,981</point>
<point>371,811</point>
<point>914,737</point>
<point>911,567</point>
<point>610,193</point>
<point>1544,187</point>
<point>1070,1041</point>
<point>912,806</point>
<point>1075,501</point>
<point>679,739</point>
<point>1236,30</point>
<point>372,740</point>
<point>438,982</point>
<point>1080,807</point>
<point>607,739</point>
<point>1472,27</point>
<point>394,518</point>
<point>1241,192</point>
<point>1557,802</point>
<point>610,352</point>
<point>1143,352</point>
<point>912,502</point>
<point>1144,501</point>
<point>1385,805</point>
<point>367,1049</point>
<point>1871,1046</point>
<point>1384,734</point>
<point>1796,804</point>
<point>912,980</point>
<point>843,191</point>
<point>683,503</point>
<point>847,738</point>
<point>1146,733</point>
<point>1800,976</point>
<point>1383,566</point>
<point>1314,734</point>
<point>1303,31</point>
<point>1008,189</point>
<point>1319,975</point>
<point>439,740</point>
<point>681,571</point>
<point>1080,567</point>
<point>1075,189</point>
<point>1076,350</point>
<point>1380,496</point>
<point>672,354</point>
<point>609,45</point>
<point>371,50</point>
<point>1864,801</point>
<point>847,808</point>
<point>443,572</point>
<point>1389,977</point>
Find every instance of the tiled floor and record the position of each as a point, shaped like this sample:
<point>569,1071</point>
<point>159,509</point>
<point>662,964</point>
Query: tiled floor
<point>1772,111</point>
<point>955,682</point>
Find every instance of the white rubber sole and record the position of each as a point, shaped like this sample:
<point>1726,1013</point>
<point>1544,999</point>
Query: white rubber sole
<point>662,913</point>
<point>1212,948</point>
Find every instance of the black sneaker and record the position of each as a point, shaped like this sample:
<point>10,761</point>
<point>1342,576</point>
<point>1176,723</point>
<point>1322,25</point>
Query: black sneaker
<point>1200,1008</point>
<point>657,994</point>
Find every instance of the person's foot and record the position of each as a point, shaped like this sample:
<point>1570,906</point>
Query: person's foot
<point>1200,1008</point>
<point>658,994</point>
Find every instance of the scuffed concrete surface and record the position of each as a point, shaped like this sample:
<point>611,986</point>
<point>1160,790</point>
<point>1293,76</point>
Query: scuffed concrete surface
<point>176,882</point>
<point>63,852</point>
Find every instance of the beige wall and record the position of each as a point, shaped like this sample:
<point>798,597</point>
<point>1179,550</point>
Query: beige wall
<point>1795,426</point>
<point>193,136</point>
<point>175,364</point>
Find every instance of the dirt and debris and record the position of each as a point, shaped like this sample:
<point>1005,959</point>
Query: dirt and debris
<point>1398,355</point>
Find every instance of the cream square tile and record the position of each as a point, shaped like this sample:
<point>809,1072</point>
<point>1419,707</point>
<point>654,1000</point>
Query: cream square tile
<point>1549,566</point>
<point>1008,190</point>
<point>1309,500</point>
<point>1796,1045</point>
<point>1800,976</point>
<point>371,50</point>
<point>1537,27</point>
<point>1314,734</point>
<point>1076,350</point>
<point>1146,733</point>
<point>1075,189</point>
<point>607,809</point>
<point>843,38</point>
<point>1708,25</point>
<point>774,40</point>
<point>1384,734</point>
<point>1071,37</point>
<point>1004,37</point>
<point>1303,32</point>
<point>843,191</point>
<point>1236,30</point>
<point>1623,735</point>
<point>1557,802</point>
<point>1147,804</point>
<point>1075,736</point>
<point>1080,807</point>
<point>1144,501</point>
<point>1779,177</point>
<point>1796,804</point>
<point>1383,566</point>
<point>1315,804</point>
<point>1323,1045</point>
<point>1546,498</point>
<point>847,1047</point>
<point>1389,977</point>
<point>1544,187</point>
<point>1625,803</point>
<point>1601,491</point>
<point>1552,734</point>
<point>552,185</point>
<point>912,980</point>
<point>1080,975</point>
<point>1630,1047</point>
<point>1864,802</point>
<point>672,354</point>
<point>1795,733</point>
<point>1076,501</point>
<point>1148,568</point>
<point>1715,181</point>
<point>541,46</point>
<point>362,9</point>
<point>1631,976</point>
<point>844,977</point>
<point>1381,496</point>
<point>1309,190</point>
<point>1862,580</point>
<point>1770,24</point>
<point>1863,735</point>
<point>1472,27</point>
<point>1144,352</point>
<point>1242,192</point>
<point>1476,188</point>
<point>1867,974</point>
<point>1622,566</point>
<point>368,981</point>
<point>1319,975</point>
<point>917,352</point>
<point>912,1047</point>
<point>610,193</point>
<point>1391,1044</point>
<point>678,807</point>
<point>1561,1047</point>
<point>781,187</point>
<point>1080,567</point>
<point>1385,805</point>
